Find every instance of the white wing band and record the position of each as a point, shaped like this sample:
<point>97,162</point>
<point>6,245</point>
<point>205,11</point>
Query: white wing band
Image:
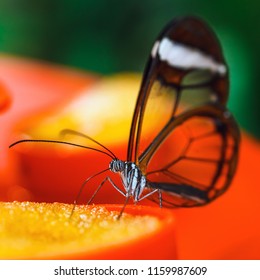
<point>181,56</point>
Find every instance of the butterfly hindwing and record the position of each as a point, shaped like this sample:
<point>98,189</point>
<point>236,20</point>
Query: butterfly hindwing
<point>202,151</point>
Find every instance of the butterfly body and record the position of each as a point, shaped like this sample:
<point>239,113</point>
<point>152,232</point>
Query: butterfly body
<point>132,178</point>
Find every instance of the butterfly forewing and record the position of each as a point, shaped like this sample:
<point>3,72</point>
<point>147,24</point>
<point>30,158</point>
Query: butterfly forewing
<point>186,69</point>
<point>191,152</point>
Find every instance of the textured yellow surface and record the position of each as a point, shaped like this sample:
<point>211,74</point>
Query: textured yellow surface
<point>38,230</point>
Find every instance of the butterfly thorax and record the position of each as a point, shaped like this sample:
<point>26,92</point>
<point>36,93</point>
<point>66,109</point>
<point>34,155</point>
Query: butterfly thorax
<point>132,178</point>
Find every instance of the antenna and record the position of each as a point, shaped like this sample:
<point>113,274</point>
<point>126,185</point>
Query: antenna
<point>74,132</point>
<point>60,142</point>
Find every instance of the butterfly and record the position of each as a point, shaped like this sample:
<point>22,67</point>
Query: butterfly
<point>190,157</point>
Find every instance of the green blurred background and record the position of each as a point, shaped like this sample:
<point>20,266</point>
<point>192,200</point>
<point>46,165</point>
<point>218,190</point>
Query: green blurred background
<point>111,36</point>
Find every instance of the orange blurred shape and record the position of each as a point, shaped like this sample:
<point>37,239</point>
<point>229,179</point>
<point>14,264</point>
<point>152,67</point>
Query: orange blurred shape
<point>5,99</point>
<point>62,169</point>
<point>35,88</point>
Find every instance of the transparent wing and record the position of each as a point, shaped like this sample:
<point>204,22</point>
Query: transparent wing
<point>195,159</point>
<point>185,70</point>
<point>191,153</point>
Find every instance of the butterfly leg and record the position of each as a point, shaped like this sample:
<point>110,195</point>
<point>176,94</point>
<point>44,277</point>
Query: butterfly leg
<point>160,198</point>
<point>152,192</point>
<point>82,187</point>
<point>100,186</point>
<point>116,187</point>
<point>148,194</point>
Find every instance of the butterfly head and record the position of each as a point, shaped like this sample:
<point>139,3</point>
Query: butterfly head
<point>117,165</point>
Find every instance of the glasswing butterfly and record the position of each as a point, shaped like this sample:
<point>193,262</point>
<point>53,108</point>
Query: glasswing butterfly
<point>191,156</point>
